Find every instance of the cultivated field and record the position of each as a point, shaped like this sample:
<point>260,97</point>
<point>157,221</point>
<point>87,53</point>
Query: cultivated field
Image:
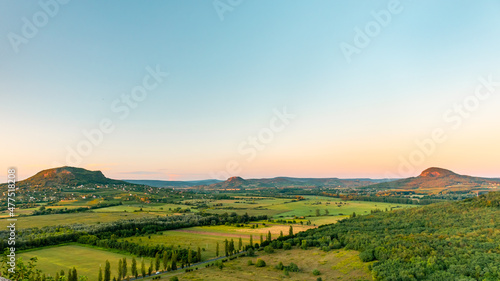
<point>86,260</point>
<point>72,218</point>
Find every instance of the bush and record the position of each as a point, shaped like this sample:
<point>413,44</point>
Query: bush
<point>260,263</point>
<point>367,256</point>
<point>280,266</point>
<point>316,272</point>
<point>319,279</point>
<point>250,252</point>
<point>250,262</point>
<point>293,267</point>
<point>175,278</point>
<point>268,249</point>
<point>287,246</point>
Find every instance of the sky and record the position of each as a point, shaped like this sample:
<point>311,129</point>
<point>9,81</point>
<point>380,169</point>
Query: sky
<point>188,90</point>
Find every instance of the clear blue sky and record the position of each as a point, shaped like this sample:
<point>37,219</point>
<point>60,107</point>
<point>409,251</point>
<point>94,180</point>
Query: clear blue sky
<point>226,78</point>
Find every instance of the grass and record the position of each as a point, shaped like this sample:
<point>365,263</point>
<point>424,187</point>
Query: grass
<point>86,260</point>
<point>72,218</point>
<point>308,207</point>
<point>206,237</point>
<point>334,265</point>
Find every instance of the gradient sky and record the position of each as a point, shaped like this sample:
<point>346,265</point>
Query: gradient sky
<point>227,77</point>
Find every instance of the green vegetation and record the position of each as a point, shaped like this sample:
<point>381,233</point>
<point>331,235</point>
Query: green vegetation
<point>446,241</point>
<point>108,230</point>
<point>86,260</point>
<point>340,265</point>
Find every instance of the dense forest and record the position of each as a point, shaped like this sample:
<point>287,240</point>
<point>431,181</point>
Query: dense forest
<point>445,241</point>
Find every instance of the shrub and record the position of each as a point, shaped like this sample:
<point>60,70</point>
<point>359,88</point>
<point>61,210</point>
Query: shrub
<point>260,263</point>
<point>316,272</point>
<point>268,249</point>
<point>280,266</point>
<point>175,278</point>
<point>287,246</point>
<point>250,252</point>
<point>293,267</point>
<point>250,262</point>
<point>367,256</point>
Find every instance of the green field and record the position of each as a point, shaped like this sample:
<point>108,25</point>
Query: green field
<point>72,218</point>
<point>206,237</point>
<point>86,260</point>
<point>334,265</point>
<point>308,207</point>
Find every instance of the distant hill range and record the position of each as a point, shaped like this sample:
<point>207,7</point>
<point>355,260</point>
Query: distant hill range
<point>173,184</point>
<point>236,183</point>
<point>67,176</point>
<point>432,178</point>
<point>438,178</point>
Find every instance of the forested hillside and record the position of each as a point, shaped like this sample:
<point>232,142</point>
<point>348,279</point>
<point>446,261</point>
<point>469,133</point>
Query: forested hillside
<point>445,241</point>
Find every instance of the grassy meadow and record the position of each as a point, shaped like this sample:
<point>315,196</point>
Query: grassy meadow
<point>86,260</point>
<point>334,265</point>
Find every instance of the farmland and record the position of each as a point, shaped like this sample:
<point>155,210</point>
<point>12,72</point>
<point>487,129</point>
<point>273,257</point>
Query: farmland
<point>87,260</point>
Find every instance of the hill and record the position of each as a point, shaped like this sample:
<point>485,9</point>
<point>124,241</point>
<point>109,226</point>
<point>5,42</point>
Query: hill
<point>67,176</point>
<point>438,178</point>
<point>237,183</point>
<point>445,241</point>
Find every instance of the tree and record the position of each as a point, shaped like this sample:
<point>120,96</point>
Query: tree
<point>174,261</point>
<point>100,274</point>
<point>165,260</point>
<point>269,238</point>
<point>157,261</point>
<point>240,244</point>
<point>134,268</point>
<point>198,255</point>
<point>75,274</point>
<point>217,250</point>
<point>281,234</point>
<point>251,241</point>
<point>231,247</point>
<point>150,269</point>
<point>327,212</point>
<point>290,231</point>
<point>304,244</point>
<point>124,270</point>
<point>261,238</point>
<point>70,276</point>
<point>317,213</point>
<point>190,256</point>
<point>120,269</point>
<point>107,271</point>
<point>226,247</point>
<point>143,269</point>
